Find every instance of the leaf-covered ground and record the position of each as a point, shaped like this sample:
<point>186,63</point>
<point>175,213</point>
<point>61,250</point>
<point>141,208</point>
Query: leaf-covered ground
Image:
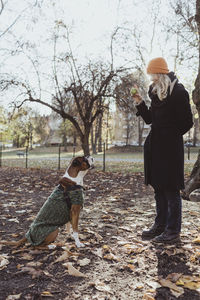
<point>115,263</point>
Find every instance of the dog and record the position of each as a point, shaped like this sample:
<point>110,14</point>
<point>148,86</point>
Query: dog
<point>61,207</point>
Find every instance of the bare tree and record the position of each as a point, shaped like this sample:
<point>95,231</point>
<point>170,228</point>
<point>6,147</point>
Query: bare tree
<point>126,104</point>
<point>83,94</point>
<point>79,98</point>
<point>188,31</point>
<point>13,21</point>
<point>96,134</point>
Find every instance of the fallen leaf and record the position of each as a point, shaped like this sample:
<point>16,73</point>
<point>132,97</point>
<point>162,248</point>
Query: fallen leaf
<point>98,252</point>
<point>192,285</point>
<point>19,266</point>
<point>98,236</point>
<point>106,248</point>
<point>139,287</point>
<point>13,297</point>
<point>174,277</point>
<point>122,243</point>
<point>197,240</point>
<point>3,261</point>
<point>171,285</point>
<point>135,250</point>
<point>35,273</point>
<point>52,246</point>
<point>73,271</point>
<point>47,273</point>
<point>130,267</point>
<point>20,211</point>
<point>190,282</point>
<point>64,256</point>
<point>111,256</point>
<point>169,252</point>
<point>46,294</point>
<point>148,296</point>
<point>195,256</point>
<point>155,285</point>
<point>101,286</point>
<point>14,220</point>
<point>126,228</point>
<point>194,213</point>
<point>15,234</point>
<point>84,262</point>
<point>175,293</point>
<point>34,264</point>
<point>26,256</point>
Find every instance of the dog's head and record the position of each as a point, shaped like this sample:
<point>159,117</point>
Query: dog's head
<point>77,169</point>
<point>83,163</point>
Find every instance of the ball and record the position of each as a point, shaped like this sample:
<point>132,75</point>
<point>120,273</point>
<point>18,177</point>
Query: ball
<point>133,91</point>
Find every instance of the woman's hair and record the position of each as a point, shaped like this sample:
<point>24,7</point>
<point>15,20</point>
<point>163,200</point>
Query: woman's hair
<point>160,87</point>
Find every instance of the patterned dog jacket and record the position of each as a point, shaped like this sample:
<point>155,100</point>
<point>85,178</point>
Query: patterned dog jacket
<point>54,213</point>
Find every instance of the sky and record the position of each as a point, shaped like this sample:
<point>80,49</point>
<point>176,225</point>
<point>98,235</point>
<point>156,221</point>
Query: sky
<point>91,24</point>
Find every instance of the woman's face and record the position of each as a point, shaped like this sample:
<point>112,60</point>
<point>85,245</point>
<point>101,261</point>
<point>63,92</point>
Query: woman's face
<point>154,78</point>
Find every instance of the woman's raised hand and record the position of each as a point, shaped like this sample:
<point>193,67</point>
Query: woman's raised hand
<point>135,94</point>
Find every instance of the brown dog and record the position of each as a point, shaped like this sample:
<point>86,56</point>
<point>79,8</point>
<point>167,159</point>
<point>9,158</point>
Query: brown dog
<point>63,205</point>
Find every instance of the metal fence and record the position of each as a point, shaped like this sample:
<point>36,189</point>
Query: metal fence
<point>114,159</point>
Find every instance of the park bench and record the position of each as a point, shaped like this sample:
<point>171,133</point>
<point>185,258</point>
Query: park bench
<point>20,153</point>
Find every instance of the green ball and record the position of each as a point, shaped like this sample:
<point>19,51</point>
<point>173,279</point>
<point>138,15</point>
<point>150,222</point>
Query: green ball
<point>133,91</point>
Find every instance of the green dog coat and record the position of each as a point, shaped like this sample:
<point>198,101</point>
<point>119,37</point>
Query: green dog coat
<point>54,213</point>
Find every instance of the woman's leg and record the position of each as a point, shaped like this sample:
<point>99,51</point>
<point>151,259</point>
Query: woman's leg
<point>173,227</point>
<point>161,216</point>
<point>174,211</point>
<point>161,208</point>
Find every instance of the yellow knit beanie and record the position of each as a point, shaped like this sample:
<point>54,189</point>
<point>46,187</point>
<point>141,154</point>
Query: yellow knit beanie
<point>157,66</point>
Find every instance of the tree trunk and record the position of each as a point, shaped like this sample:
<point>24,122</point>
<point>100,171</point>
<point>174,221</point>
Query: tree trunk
<point>107,128</point>
<point>28,138</point>
<point>140,131</point>
<point>127,132</point>
<point>93,141</point>
<point>85,142</point>
<point>65,141</point>
<point>96,135</point>
<point>100,134</point>
<point>31,140</point>
<point>196,125</point>
<point>194,180</point>
<point>85,146</point>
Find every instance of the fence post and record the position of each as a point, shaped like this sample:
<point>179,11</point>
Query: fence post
<point>74,150</point>
<point>104,157</point>
<point>26,157</point>
<point>1,147</point>
<point>59,150</point>
<point>188,152</point>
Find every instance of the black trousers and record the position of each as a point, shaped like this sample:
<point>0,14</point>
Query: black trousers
<point>168,209</point>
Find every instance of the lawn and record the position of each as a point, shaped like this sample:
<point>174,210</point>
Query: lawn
<point>116,161</point>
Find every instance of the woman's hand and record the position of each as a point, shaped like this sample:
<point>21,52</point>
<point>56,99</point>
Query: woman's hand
<point>135,94</point>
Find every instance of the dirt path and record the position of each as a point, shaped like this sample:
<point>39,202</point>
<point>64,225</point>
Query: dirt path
<point>115,263</point>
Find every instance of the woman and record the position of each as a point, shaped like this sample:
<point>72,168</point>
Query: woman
<point>170,118</point>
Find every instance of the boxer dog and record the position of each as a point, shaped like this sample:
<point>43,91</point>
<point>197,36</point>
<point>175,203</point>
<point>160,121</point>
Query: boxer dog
<point>62,206</point>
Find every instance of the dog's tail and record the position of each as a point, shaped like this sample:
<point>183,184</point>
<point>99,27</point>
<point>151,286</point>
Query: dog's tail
<point>13,243</point>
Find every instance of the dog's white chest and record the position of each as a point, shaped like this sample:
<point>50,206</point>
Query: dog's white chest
<point>78,179</point>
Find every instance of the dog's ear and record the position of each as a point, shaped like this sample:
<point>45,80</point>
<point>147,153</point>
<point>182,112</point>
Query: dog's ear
<point>76,163</point>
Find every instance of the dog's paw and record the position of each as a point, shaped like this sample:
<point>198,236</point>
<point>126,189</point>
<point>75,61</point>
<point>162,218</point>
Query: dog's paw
<point>77,241</point>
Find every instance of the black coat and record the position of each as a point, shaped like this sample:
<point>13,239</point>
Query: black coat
<point>170,119</point>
